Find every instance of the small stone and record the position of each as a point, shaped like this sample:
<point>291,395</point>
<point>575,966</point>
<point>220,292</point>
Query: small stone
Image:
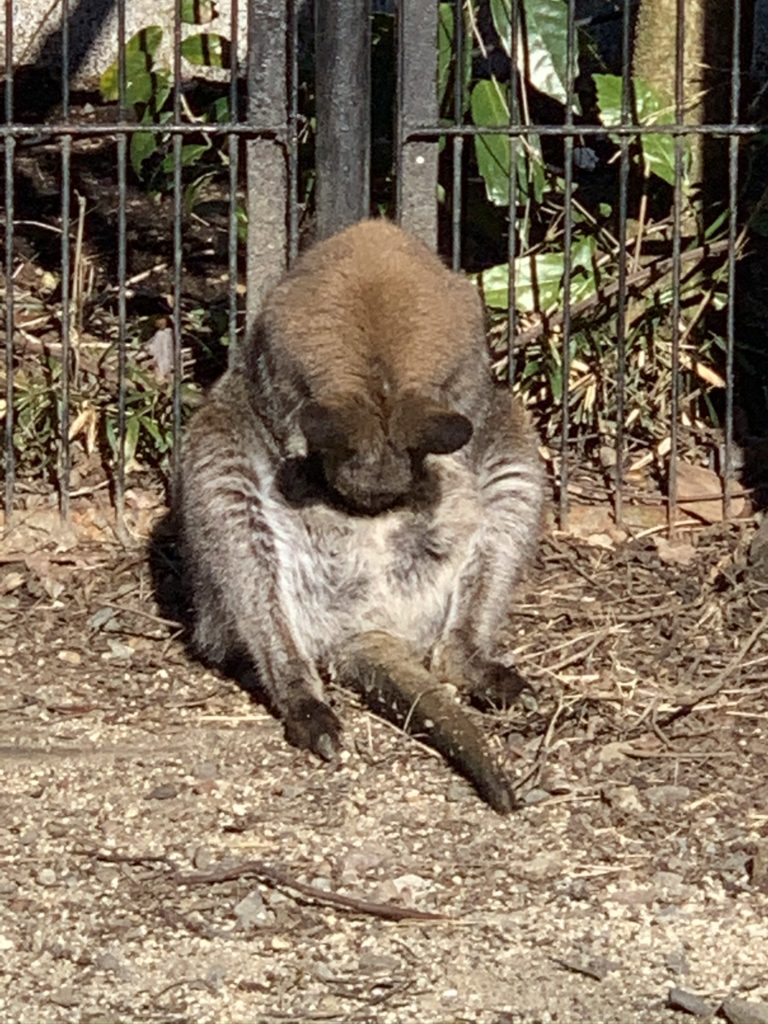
<point>202,858</point>
<point>689,1002</point>
<point>107,962</point>
<point>740,1011</point>
<point>378,963</point>
<point>667,796</point>
<point>5,943</point>
<point>70,657</point>
<point>250,911</point>
<point>165,791</point>
<point>118,651</point>
<point>457,791</point>
<point>46,876</point>
<point>758,868</point>
<point>215,977</point>
<point>623,799</point>
<point>279,944</point>
<point>64,997</point>
<point>676,963</point>
<point>535,796</point>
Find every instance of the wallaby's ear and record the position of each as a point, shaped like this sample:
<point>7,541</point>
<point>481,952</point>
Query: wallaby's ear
<point>429,428</point>
<point>443,432</point>
<point>323,426</point>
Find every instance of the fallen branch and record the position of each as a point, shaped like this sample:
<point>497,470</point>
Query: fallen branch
<point>279,879</point>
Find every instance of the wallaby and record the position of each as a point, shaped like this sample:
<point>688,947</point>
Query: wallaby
<point>358,498</point>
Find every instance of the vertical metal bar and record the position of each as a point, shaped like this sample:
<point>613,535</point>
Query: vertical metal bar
<point>66,154</point>
<point>570,50</point>
<point>343,104</point>
<point>417,108</point>
<point>10,145</point>
<point>265,156</point>
<point>677,209</point>
<point>621,312</point>
<point>177,246</point>
<point>233,156</point>
<point>730,335</point>
<point>457,141</point>
<point>293,131</point>
<point>122,155</point>
<point>514,143</point>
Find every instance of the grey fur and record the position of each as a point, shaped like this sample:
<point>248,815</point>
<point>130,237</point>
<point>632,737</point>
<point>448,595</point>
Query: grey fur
<point>297,550</point>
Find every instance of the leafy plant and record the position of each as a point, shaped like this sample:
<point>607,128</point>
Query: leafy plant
<point>148,89</point>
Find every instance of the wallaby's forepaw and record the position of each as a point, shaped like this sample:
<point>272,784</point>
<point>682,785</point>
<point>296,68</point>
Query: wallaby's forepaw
<point>489,684</point>
<point>311,725</point>
<point>496,687</point>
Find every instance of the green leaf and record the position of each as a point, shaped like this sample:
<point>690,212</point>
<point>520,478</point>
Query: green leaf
<point>544,47</point>
<point>140,51</point>
<point>190,154</point>
<point>207,48</point>
<point>538,282</point>
<point>444,49</point>
<point>143,146</point>
<point>651,108</point>
<point>131,438</point>
<point>219,111</point>
<point>198,12</point>
<point>489,107</point>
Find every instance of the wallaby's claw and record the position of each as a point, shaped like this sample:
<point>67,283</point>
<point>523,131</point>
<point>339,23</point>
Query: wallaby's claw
<point>311,725</point>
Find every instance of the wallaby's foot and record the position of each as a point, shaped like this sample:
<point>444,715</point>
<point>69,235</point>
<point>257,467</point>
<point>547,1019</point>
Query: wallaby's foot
<point>311,725</point>
<point>496,687</point>
<point>489,684</point>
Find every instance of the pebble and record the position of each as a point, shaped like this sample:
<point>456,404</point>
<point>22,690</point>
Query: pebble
<point>46,876</point>
<point>64,997</point>
<point>70,657</point>
<point>202,858</point>
<point>741,1011</point>
<point>165,791</point>
<point>107,962</point>
<point>689,1002</point>
<point>250,911</point>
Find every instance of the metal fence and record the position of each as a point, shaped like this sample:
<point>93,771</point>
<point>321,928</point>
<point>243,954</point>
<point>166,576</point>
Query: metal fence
<point>290,145</point>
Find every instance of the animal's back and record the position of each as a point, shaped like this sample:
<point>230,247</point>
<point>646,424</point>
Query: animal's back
<point>383,311</point>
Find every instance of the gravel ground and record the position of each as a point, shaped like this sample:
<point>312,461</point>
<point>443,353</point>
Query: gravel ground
<point>167,857</point>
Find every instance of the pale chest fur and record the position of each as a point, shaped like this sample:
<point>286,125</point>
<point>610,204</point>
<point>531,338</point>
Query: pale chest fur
<point>339,574</point>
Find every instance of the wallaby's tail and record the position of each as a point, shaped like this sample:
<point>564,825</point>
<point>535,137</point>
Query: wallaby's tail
<point>393,683</point>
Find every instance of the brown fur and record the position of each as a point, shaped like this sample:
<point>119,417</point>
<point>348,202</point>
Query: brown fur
<point>356,485</point>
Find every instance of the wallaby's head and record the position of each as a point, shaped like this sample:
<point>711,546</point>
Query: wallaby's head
<point>374,458</point>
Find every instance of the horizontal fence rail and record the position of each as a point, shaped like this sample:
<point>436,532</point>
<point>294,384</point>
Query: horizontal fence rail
<point>179,183</point>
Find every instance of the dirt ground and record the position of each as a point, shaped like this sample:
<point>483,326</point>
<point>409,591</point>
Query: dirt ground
<point>168,857</point>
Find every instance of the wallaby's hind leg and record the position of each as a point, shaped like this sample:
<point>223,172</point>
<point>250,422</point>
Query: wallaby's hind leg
<point>235,568</point>
<point>510,483</point>
<point>393,682</point>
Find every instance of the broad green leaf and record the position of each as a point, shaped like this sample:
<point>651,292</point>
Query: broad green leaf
<point>219,111</point>
<point>489,107</point>
<point>140,51</point>
<point>608,88</point>
<point>143,146</point>
<point>542,51</point>
<point>651,108</point>
<point>198,12</point>
<point>539,279</point>
<point>207,48</point>
<point>190,154</point>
